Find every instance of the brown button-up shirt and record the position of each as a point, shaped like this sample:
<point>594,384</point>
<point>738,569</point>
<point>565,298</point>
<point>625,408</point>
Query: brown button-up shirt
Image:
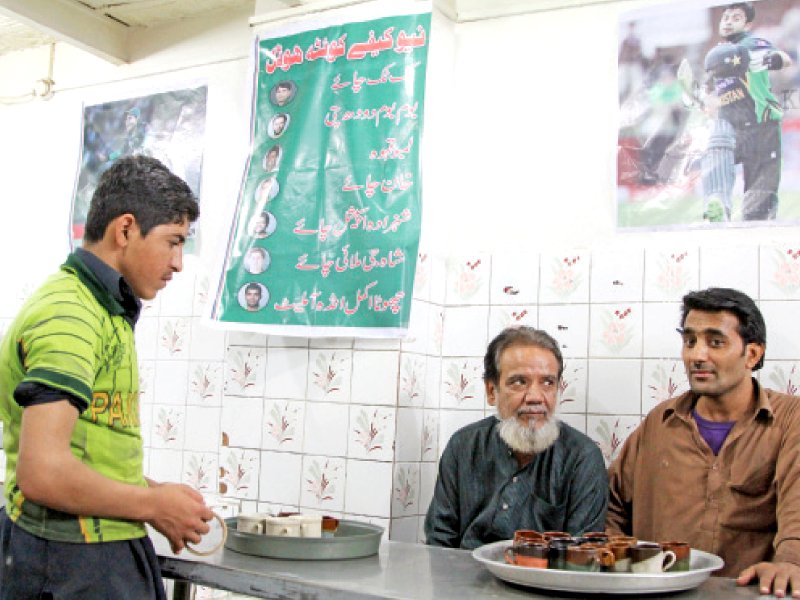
<point>743,504</point>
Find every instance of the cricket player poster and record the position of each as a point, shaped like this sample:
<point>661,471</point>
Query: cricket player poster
<point>709,115</point>
<point>326,229</point>
<point>168,125</point>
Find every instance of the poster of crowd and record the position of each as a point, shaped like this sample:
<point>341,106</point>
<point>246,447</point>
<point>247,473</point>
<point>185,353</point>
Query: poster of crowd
<point>709,115</point>
<point>169,126</point>
<point>326,228</point>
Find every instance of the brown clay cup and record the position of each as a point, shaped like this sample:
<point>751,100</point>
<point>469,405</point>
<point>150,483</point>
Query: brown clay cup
<point>528,554</point>
<point>683,555</point>
<point>589,558</point>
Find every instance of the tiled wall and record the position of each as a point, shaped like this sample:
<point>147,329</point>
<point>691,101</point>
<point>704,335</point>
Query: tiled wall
<point>355,427</point>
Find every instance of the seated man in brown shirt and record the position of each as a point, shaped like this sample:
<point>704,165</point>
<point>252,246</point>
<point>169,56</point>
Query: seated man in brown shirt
<point>718,466</point>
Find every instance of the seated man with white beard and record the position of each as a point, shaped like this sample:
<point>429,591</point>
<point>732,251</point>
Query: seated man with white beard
<point>523,468</point>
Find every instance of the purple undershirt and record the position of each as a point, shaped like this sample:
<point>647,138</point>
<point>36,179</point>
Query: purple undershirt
<point>713,432</point>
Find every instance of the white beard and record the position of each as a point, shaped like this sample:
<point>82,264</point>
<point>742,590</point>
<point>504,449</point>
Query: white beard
<point>528,439</point>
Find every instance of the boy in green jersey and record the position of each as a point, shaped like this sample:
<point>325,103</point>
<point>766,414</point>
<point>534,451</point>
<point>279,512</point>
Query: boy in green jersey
<point>76,499</point>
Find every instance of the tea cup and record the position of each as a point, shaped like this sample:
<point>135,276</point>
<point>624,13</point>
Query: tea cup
<point>528,554</point>
<point>650,558</point>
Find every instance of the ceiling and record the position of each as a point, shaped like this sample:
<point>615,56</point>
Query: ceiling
<point>102,26</point>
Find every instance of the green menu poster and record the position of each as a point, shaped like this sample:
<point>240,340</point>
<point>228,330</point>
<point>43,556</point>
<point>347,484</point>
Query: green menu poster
<point>326,229</point>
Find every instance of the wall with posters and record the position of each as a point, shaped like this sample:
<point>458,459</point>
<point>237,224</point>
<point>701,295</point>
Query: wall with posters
<point>518,226</point>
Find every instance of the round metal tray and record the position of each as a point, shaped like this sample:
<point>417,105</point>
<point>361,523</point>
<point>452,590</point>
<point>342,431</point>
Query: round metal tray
<point>353,539</point>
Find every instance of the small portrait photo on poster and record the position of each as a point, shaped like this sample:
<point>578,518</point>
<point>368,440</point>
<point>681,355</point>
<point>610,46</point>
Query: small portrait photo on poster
<point>256,261</point>
<point>278,125</point>
<point>272,159</point>
<point>253,296</point>
<point>262,225</point>
<point>266,190</point>
<point>283,92</point>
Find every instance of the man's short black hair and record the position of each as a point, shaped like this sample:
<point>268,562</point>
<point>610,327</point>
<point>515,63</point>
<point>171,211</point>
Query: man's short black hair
<point>746,7</point>
<point>144,187</point>
<point>752,328</point>
<point>287,85</point>
<point>518,336</point>
<point>252,286</point>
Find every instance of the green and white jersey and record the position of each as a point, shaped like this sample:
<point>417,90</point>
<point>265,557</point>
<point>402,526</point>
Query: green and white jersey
<point>71,335</point>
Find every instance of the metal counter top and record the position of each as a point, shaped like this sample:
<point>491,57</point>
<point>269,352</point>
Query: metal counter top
<point>399,570</point>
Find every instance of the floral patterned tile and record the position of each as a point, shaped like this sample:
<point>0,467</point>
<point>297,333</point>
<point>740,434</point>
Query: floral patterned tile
<point>616,330</point>
<point>323,483</point>
<point>371,433</point>
<point>572,388</point>
<point>173,337</point>
<point>239,473</point>
<point>781,376</point>
<point>468,279</point>
<point>610,433</point>
<point>202,429</point>
<point>780,272</point>
<point>200,470</point>
<point>669,274</point>
<point>281,478</point>
<point>168,426</point>
<point>329,374</point>
<point>662,380</point>
<point>245,369</point>
<point>501,317</point>
<point>405,491</point>
<point>462,384</point>
<point>564,277</point>
<point>287,373</point>
<point>411,390</point>
<point>617,276</point>
<point>326,429</point>
<point>614,387</point>
<point>408,435</point>
<point>201,294</point>
<point>422,276</point>
<point>515,279</point>
<point>429,440</point>
<point>205,383</point>
<point>368,489</point>
<point>716,271</point>
<point>283,425</point>
<point>241,422</point>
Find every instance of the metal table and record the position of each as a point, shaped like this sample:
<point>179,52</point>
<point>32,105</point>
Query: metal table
<point>399,570</point>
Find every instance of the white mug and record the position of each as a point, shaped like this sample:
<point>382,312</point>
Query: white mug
<point>657,563</point>
<point>251,522</point>
<point>282,526</point>
<point>310,525</point>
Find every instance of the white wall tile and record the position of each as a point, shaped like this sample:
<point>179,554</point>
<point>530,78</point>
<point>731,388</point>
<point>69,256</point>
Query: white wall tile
<point>610,432</point>
<point>661,339</point>
<point>577,421</point>
<point>287,373</point>
<point>202,429</point>
<point>375,377</point>
<point>468,279</point>
<point>405,491</point>
<point>168,426</point>
<point>781,375</point>
<point>146,334</point>
<point>614,386</point>
<point>783,328</point>
<point>416,339</point>
<point>574,382</point>
<point>205,383</point>
<point>280,478</point>
<point>501,317</point>
<point>245,369</point>
<point>200,471</point>
<point>430,435</point>
<point>408,435</point>
<point>239,473</point>
<point>515,279</point>
<point>462,384</point>
<point>326,429</point>
<point>323,483</point>
<point>405,529</point>
<point>206,343</point>
<point>465,330</point>
<point>662,380</point>
<point>433,379</point>
<point>451,421</point>
<point>164,465</point>
<point>173,337</point>
<point>422,276</point>
<point>617,276</point>
<point>171,382</point>
<point>733,266</point>
<point>368,488</point>
<point>780,272</point>
<point>412,389</point>
<point>242,421</point>
<point>569,325</point>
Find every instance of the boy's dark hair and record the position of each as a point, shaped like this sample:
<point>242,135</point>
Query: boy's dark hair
<point>752,328</point>
<point>252,286</point>
<point>518,336</point>
<point>746,7</point>
<point>144,187</point>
